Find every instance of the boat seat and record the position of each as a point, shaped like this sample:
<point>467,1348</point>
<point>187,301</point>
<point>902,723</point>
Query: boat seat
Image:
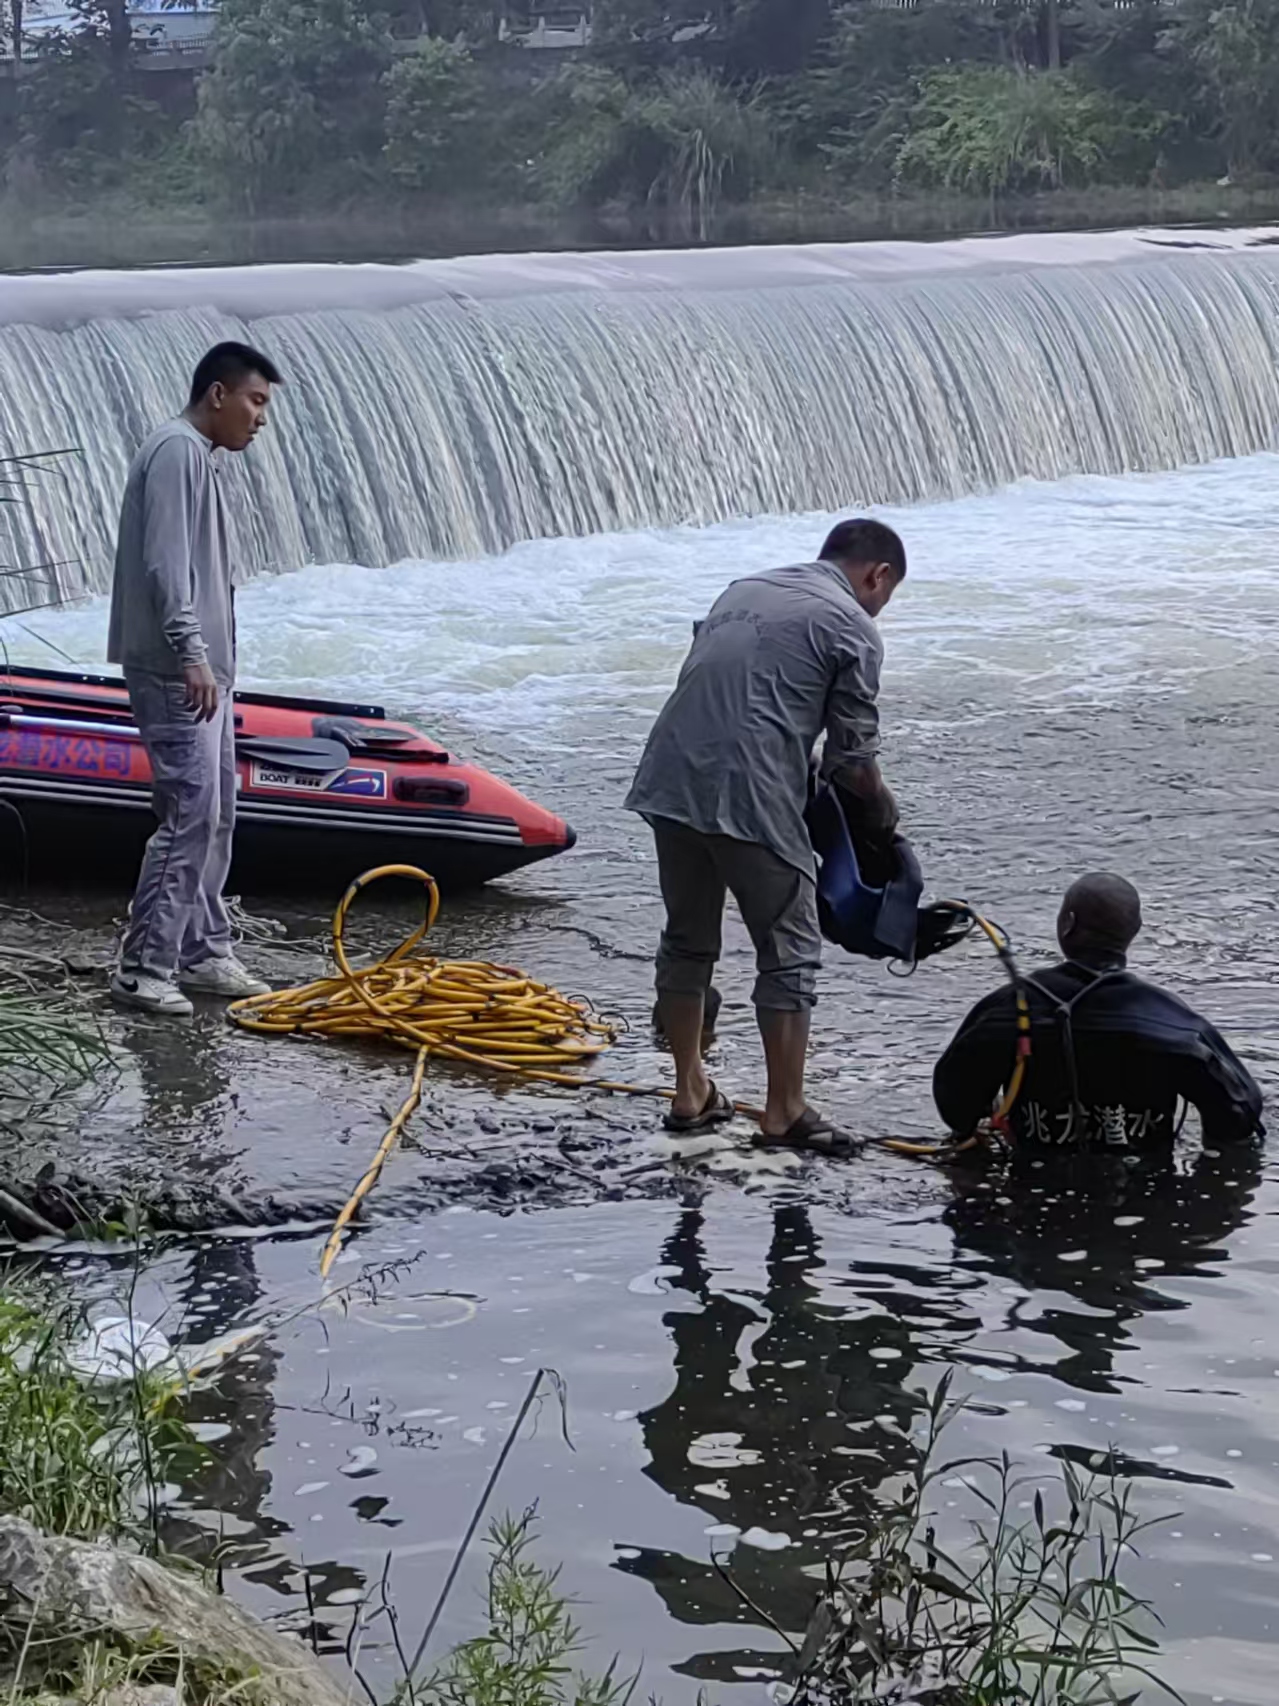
<point>307,757</point>
<point>367,738</point>
<point>357,736</point>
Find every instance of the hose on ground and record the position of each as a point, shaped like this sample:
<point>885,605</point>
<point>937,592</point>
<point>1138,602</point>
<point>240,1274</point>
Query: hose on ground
<point>472,1011</point>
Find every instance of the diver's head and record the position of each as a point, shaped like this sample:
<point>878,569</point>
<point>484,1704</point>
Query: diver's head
<point>1099,919</point>
<point>872,558</point>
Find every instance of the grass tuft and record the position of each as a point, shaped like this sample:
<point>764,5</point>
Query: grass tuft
<point>1032,1612</point>
<point>86,1459</point>
<point>46,1040</point>
<point>524,1658</point>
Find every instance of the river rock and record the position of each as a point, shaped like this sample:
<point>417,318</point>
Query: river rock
<point>72,1585</point>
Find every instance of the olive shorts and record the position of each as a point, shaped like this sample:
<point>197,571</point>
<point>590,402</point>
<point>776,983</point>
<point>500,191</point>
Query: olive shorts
<point>778,905</point>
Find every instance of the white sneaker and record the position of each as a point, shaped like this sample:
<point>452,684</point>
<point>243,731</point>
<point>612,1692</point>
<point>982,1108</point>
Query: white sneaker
<point>222,974</point>
<point>149,994</point>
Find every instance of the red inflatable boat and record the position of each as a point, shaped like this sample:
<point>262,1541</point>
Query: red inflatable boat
<point>326,790</point>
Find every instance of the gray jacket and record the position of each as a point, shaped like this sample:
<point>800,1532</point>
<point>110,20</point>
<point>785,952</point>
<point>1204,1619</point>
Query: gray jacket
<point>783,657</point>
<point>171,598</point>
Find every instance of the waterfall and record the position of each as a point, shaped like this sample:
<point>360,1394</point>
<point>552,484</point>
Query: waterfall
<point>451,409</point>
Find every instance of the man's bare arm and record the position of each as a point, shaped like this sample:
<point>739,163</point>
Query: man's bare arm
<point>867,799</point>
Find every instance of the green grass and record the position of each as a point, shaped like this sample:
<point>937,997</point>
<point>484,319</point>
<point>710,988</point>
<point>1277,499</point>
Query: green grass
<point>86,1459</point>
<point>525,1658</point>
<point>1031,1612</point>
<point>93,1672</point>
<point>49,1040</point>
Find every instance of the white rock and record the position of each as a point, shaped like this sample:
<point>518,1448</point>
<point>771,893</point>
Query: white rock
<point>115,1347</point>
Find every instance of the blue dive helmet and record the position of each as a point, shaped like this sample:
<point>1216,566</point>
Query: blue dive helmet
<point>880,923</point>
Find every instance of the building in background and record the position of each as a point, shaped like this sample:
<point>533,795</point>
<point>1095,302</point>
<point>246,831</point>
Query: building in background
<point>174,32</point>
<point>178,35</point>
<point>545,26</point>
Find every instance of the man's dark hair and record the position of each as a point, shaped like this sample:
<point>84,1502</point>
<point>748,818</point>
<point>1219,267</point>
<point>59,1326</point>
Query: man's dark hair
<point>231,364</point>
<point>1105,912</point>
<point>865,542</point>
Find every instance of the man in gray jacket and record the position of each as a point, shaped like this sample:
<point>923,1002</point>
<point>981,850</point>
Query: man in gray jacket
<point>173,632</point>
<point>783,657</point>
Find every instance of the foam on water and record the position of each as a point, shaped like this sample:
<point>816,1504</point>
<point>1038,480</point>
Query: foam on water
<point>1079,591</point>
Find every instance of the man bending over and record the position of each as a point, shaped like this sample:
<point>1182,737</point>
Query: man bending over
<point>782,657</point>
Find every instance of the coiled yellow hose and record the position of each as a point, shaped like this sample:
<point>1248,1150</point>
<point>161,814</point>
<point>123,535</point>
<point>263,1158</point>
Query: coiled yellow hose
<point>470,1010</point>
<point>466,1010</point>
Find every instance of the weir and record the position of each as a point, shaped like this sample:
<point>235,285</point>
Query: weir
<point>450,409</point>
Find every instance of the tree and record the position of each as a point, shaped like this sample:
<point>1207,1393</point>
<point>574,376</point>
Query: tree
<point>1052,34</point>
<point>774,38</point>
<point>1119,47</point>
<point>673,146</point>
<point>850,108</point>
<point>294,94</point>
<point>631,24</point>
<point>475,21</point>
<point>1234,50</point>
<point>701,138</point>
<point>81,120</point>
<point>119,34</point>
<point>995,130</point>
<point>433,130</point>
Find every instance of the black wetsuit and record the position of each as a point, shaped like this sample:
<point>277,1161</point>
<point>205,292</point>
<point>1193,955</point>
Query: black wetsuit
<point>1111,1058</point>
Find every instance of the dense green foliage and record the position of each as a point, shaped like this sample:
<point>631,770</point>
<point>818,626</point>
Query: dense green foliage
<point>288,90</point>
<point>435,122</point>
<point>678,108</point>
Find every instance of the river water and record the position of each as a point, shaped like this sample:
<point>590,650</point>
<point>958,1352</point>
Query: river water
<point>1079,675</point>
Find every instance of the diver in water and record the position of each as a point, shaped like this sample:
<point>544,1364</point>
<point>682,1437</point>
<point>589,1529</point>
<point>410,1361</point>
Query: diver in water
<point>1111,1056</point>
<point>724,780</point>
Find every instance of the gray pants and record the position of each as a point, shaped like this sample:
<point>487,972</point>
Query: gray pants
<point>178,917</point>
<point>778,905</point>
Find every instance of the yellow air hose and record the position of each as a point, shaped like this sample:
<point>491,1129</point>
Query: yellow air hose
<point>997,1126</point>
<point>465,1010</point>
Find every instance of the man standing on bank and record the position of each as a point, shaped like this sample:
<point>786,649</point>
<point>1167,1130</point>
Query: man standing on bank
<point>782,657</point>
<point>173,632</point>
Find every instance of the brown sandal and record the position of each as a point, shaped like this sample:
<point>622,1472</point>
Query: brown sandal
<point>812,1131</point>
<point>718,1109</point>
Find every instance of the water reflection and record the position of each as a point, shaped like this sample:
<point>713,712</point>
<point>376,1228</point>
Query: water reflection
<point>1101,1233</point>
<point>230,1510</point>
<point>185,1088</point>
<point>791,1405</point>
<point>219,1289</point>
<point>786,1414</point>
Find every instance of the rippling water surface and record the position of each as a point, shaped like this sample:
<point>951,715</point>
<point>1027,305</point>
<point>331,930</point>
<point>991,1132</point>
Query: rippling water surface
<point>1078,675</point>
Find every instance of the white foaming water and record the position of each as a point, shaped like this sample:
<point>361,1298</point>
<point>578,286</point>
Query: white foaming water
<point>1083,590</point>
